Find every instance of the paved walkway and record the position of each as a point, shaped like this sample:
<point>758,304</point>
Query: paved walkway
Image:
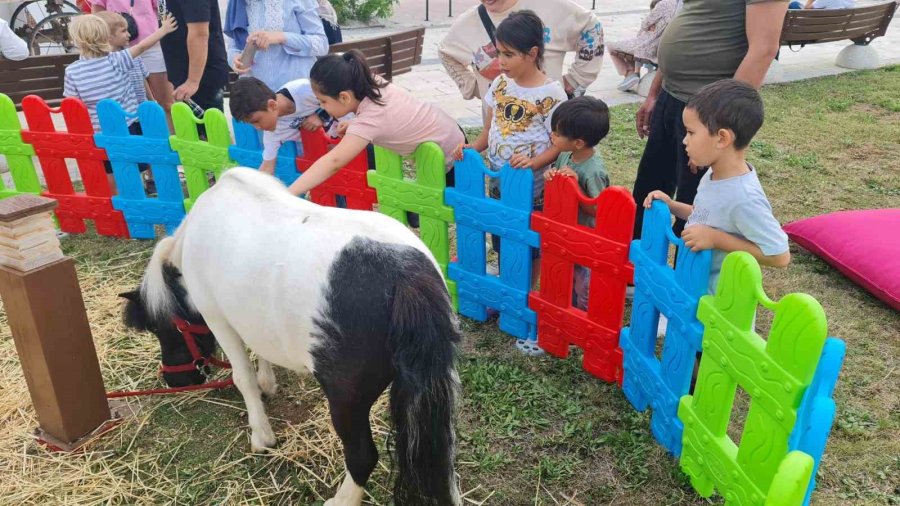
<point>621,19</point>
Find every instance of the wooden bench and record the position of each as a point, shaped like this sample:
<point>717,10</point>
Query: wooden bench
<point>388,56</point>
<point>861,25</point>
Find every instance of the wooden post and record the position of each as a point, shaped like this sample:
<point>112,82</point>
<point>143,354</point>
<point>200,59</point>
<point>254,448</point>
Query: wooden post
<point>49,323</point>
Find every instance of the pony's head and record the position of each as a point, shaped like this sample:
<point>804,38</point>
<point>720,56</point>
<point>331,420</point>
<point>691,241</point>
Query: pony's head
<point>160,306</point>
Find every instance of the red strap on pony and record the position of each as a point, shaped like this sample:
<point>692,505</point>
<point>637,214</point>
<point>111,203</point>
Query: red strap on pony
<point>189,331</point>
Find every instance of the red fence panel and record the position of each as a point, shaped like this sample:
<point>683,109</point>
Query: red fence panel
<point>53,147</point>
<point>349,182</point>
<point>604,250</point>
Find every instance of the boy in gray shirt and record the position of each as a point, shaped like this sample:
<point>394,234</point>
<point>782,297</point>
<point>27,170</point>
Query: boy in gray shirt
<point>731,211</point>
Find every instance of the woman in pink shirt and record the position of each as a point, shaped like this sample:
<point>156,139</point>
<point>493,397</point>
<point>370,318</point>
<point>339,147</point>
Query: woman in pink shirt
<point>144,13</point>
<point>386,115</point>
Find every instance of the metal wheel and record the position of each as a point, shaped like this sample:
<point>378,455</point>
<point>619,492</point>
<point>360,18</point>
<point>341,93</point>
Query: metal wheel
<point>51,35</point>
<point>27,15</point>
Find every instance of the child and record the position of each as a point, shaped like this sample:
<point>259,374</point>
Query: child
<point>278,114</point>
<point>731,211</point>
<point>578,125</point>
<point>520,104</point>
<point>386,115</point>
<point>103,73</point>
<point>118,40</point>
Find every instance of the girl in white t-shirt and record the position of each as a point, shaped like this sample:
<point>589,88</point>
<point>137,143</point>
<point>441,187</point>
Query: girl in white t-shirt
<point>520,103</point>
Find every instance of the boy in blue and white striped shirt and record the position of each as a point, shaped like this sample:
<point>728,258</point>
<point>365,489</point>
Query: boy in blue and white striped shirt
<point>103,73</point>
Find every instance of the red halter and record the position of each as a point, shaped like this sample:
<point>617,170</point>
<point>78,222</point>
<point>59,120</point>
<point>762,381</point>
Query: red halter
<point>199,362</point>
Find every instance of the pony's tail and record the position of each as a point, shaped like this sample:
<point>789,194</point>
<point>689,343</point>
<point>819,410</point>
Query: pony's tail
<point>424,336</point>
<point>154,290</point>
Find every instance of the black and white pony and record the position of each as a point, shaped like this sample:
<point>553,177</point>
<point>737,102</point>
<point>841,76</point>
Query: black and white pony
<point>353,297</point>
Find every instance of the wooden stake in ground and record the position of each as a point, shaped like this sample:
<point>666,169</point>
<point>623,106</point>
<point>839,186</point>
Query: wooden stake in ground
<point>49,323</point>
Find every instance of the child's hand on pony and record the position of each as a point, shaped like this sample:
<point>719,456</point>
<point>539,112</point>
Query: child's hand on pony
<point>564,171</point>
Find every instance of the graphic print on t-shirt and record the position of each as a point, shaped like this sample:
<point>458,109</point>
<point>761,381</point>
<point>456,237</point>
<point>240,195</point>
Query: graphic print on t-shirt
<point>515,115</point>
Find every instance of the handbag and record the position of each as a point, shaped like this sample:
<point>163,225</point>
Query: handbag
<point>486,62</point>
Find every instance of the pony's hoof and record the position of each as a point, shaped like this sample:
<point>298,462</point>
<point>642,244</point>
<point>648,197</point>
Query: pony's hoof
<point>262,444</point>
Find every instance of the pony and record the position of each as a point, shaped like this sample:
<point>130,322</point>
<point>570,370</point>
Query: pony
<point>352,297</point>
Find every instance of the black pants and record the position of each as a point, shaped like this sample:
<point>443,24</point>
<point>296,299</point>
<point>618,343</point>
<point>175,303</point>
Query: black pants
<point>664,164</point>
<point>133,129</point>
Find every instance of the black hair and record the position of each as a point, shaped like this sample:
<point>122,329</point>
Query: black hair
<point>249,95</point>
<point>730,104</point>
<point>585,118</point>
<point>334,73</point>
<point>522,31</point>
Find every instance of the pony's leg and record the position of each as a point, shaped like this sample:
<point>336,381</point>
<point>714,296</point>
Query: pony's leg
<point>350,417</point>
<point>261,434</point>
<point>265,376</point>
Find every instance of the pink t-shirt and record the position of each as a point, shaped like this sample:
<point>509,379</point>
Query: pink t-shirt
<point>404,122</point>
<point>144,12</point>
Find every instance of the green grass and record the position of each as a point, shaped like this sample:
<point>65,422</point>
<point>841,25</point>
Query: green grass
<point>541,431</point>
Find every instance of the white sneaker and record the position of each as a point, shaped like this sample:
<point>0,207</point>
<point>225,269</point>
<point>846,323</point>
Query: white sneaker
<point>61,235</point>
<point>629,292</point>
<point>492,268</point>
<point>630,82</point>
<point>662,326</point>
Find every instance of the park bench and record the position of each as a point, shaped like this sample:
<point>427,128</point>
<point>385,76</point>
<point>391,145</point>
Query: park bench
<point>861,25</point>
<point>389,56</point>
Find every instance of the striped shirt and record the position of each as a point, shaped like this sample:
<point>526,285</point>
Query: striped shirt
<point>93,79</point>
<point>138,74</point>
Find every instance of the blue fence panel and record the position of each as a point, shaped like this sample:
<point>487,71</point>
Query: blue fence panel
<point>248,149</point>
<point>510,219</point>
<point>675,293</point>
<point>125,151</point>
<point>817,410</point>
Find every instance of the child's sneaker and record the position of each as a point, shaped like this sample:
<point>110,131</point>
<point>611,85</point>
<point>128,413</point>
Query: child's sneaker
<point>529,348</point>
<point>492,268</point>
<point>629,292</point>
<point>61,235</point>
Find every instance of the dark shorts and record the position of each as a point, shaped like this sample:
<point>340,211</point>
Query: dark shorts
<point>133,129</point>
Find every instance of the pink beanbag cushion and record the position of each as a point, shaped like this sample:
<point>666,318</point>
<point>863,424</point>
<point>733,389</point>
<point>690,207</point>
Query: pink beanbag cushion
<point>863,245</point>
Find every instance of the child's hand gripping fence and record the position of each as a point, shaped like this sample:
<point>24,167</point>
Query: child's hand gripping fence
<point>777,373</point>
<point>126,151</point>
<point>423,196</point>
<point>198,156</point>
<point>604,250</point>
<point>248,152</point>
<point>509,218</point>
<point>675,294</point>
<point>77,142</point>
<point>349,182</point>
<point>18,154</point>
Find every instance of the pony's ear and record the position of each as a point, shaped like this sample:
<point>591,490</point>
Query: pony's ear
<point>133,295</point>
<point>134,315</point>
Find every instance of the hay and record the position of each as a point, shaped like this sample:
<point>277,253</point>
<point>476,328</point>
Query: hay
<point>123,467</point>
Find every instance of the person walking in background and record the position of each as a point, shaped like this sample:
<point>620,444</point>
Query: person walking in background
<point>144,16</point>
<point>330,22</point>
<point>627,55</point>
<point>195,53</point>
<point>288,35</point>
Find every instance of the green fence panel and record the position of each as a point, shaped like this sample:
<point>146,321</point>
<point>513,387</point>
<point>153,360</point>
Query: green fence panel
<point>423,196</point>
<point>775,372</point>
<point>18,154</point>
<point>200,157</point>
